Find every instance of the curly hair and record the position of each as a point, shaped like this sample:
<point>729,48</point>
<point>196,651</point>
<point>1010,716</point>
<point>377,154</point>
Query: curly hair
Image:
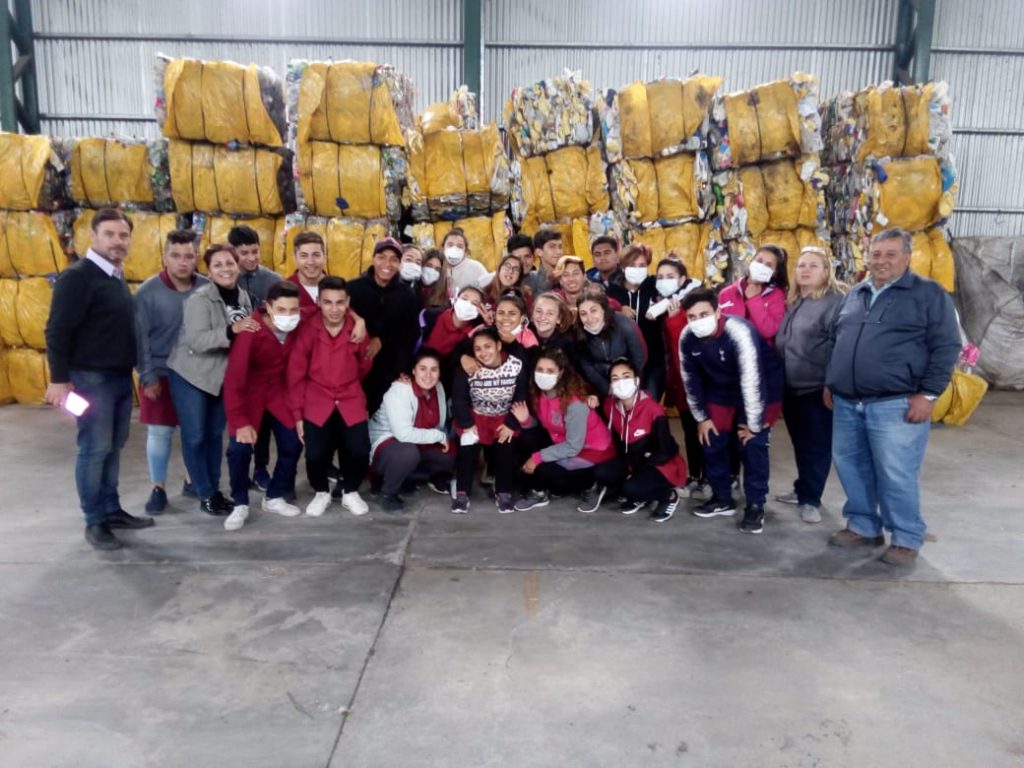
<point>570,386</point>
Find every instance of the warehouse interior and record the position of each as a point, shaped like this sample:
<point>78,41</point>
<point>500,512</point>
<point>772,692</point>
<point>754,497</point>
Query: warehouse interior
<point>549,637</point>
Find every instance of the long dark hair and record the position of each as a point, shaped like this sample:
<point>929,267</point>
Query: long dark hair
<point>570,384</point>
<point>781,277</point>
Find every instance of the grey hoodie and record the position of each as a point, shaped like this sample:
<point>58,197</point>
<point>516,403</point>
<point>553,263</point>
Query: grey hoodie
<point>803,342</point>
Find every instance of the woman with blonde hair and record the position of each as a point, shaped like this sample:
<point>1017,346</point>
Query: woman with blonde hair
<point>802,341</point>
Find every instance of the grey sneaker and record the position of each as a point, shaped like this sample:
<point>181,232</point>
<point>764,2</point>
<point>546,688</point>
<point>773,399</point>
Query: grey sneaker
<point>504,503</point>
<point>810,513</point>
<point>591,498</point>
<point>532,500</point>
<point>788,498</point>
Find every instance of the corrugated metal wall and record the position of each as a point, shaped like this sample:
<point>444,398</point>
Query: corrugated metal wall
<point>96,58</point>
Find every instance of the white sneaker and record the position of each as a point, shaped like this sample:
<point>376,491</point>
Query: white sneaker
<point>319,504</point>
<point>280,507</point>
<point>810,514</point>
<point>354,503</point>
<point>237,518</point>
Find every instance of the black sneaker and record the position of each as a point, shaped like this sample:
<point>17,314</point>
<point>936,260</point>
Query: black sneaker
<point>503,501</point>
<point>441,484</point>
<point>211,507</point>
<point>101,537</point>
<point>157,502</point>
<point>393,503</point>
<point>122,519</point>
<point>460,504</point>
<point>591,498</point>
<point>188,490</point>
<point>631,507</point>
<point>665,509</point>
<point>753,519</point>
<point>532,500</point>
<point>715,507</point>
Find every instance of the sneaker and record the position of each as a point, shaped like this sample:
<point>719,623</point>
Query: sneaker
<point>847,538</point>
<point>211,507</point>
<point>237,518</point>
<point>354,503</point>
<point>810,513</point>
<point>665,509</point>
<point>188,490</point>
<point>903,557</point>
<point>591,498</point>
<point>460,504</point>
<point>321,501</point>
<point>532,500</point>
<point>225,504</point>
<point>280,507</point>
<point>715,507</point>
<point>788,498</point>
<point>753,519</point>
<point>504,503</point>
<point>631,507</point>
<point>391,503</point>
<point>157,502</point>
<point>440,484</point>
<point>261,479</point>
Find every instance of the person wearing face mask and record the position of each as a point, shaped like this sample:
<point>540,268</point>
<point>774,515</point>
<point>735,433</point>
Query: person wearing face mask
<point>454,324</point>
<point>722,361</point>
<point>566,444</point>
<point>213,316</point>
<point>603,336</point>
<point>462,270</point>
<point>407,434</point>
<point>255,387</point>
<point>650,467</point>
<point>637,292</point>
<point>411,269</point>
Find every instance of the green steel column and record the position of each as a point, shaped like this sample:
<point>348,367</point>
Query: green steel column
<point>903,49</point>
<point>472,46</point>
<point>8,100</point>
<point>923,39</point>
<point>26,45</point>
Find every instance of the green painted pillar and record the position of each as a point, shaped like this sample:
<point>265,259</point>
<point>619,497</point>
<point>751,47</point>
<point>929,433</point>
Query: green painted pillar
<point>923,40</point>
<point>8,99</point>
<point>27,49</point>
<point>472,46</point>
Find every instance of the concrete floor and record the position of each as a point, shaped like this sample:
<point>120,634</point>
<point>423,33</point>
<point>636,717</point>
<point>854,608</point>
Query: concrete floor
<point>539,639</point>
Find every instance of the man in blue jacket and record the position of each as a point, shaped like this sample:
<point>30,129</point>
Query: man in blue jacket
<point>894,340</point>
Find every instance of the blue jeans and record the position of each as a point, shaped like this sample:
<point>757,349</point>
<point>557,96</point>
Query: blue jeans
<point>878,456</point>
<point>754,458</point>
<point>240,455</point>
<point>158,451</point>
<point>102,433</point>
<point>810,428</point>
<point>201,416</point>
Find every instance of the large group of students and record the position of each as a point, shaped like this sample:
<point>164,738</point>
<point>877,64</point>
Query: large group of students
<point>540,380</point>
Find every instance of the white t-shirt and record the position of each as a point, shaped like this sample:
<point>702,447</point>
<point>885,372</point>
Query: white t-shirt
<point>313,291</point>
<point>468,272</point>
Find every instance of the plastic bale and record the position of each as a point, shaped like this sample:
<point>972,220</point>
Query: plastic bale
<point>33,309</point>
<point>910,193</point>
<point>968,391</point>
<point>29,375</point>
<point>349,180</point>
<point>680,111</point>
<point>689,242</point>
<point>567,167</point>
<point>677,192</point>
<point>597,193</point>
<point>635,121</point>
<point>6,393</point>
<point>414,194</point>
<point>30,173</point>
<point>112,172</point>
<point>550,114</point>
<point>31,244</point>
<point>10,334</point>
<point>538,202</point>
<point>943,267</point>
<point>245,181</point>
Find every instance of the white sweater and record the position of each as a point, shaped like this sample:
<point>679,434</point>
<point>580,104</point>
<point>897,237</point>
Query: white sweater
<point>397,414</point>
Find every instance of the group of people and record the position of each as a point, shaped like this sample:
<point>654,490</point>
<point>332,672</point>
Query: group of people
<point>542,379</point>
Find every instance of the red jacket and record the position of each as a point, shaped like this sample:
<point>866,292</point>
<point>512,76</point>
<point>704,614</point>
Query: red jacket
<point>642,437</point>
<point>324,374</point>
<point>255,382</point>
<point>765,310</point>
<point>445,335</point>
<point>672,329</point>
<point>307,307</point>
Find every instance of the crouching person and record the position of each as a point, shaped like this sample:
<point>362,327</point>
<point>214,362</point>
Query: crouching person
<point>407,433</point>
<point>254,399</point>
<point>326,399</point>
<point>650,459</point>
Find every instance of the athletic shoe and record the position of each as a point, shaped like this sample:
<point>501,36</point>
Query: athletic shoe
<point>810,513</point>
<point>440,484</point>
<point>354,503</point>
<point>280,507</point>
<point>753,519</point>
<point>532,500</point>
<point>460,504</point>
<point>392,503</point>
<point>504,503</point>
<point>319,504</point>
<point>261,479</point>
<point>665,509</point>
<point>237,518</point>
<point>631,507</point>
<point>788,498</point>
<point>157,502</point>
<point>714,507</point>
<point>591,498</point>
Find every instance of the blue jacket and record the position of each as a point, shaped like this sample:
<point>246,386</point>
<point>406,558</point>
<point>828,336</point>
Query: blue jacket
<point>904,344</point>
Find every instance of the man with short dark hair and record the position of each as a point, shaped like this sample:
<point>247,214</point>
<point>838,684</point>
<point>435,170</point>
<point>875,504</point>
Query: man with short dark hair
<point>521,246</point>
<point>159,304</point>
<point>310,269</point>
<point>90,345</point>
<point>547,247</point>
<point>893,343</point>
<point>606,270</point>
<point>253,277</point>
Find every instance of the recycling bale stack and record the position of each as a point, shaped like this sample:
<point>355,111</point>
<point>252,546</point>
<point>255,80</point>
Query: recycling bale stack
<point>768,180</point>
<point>348,133</point>
<point>888,152</point>
<point>226,152</point>
<point>35,223</point>
<point>560,176</point>
<point>458,177</point>
<point>655,137</point>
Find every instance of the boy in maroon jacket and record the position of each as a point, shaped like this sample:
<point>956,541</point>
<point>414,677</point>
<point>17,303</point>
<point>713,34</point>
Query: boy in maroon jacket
<point>326,398</point>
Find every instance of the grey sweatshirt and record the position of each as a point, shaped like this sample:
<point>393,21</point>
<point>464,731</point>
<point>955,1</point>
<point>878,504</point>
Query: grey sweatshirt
<point>803,342</point>
<point>575,435</point>
<point>158,312</point>
<point>257,283</point>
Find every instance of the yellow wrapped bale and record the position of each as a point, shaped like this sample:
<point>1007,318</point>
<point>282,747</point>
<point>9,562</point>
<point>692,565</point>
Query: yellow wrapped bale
<point>635,121</point>
<point>668,190</point>
<point>567,167</point>
<point>568,183</point>
<point>911,194</point>
<point>149,235</point>
<point>29,244</point>
<point>244,181</point>
<point>10,334</point>
<point>598,196</point>
<point>29,375</point>
<point>784,194</point>
<point>352,175</point>
<point>663,117</point>
<point>688,241</point>
<point>29,173</point>
<point>348,242</point>
<point>33,309</point>
<point>931,256</point>
<point>109,172</point>
<point>458,172</point>
<point>221,102</point>
<point>6,393</point>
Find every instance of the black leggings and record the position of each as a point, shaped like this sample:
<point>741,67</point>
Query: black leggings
<point>500,458</point>
<point>351,442</point>
<point>691,443</point>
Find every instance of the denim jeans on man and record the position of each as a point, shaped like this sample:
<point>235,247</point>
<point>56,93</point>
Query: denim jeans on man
<point>878,455</point>
<point>289,448</point>
<point>102,433</point>
<point>202,420</point>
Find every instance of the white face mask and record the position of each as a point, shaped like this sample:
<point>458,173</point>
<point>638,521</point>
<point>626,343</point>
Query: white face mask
<point>466,310</point>
<point>635,275</point>
<point>666,286</point>
<point>760,273</point>
<point>285,323</point>
<point>705,326</point>
<point>429,276</point>
<point>410,270</point>
<point>624,389</point>
<point>545,381</point>
<point>593,331</point>
<point>454,255</point>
